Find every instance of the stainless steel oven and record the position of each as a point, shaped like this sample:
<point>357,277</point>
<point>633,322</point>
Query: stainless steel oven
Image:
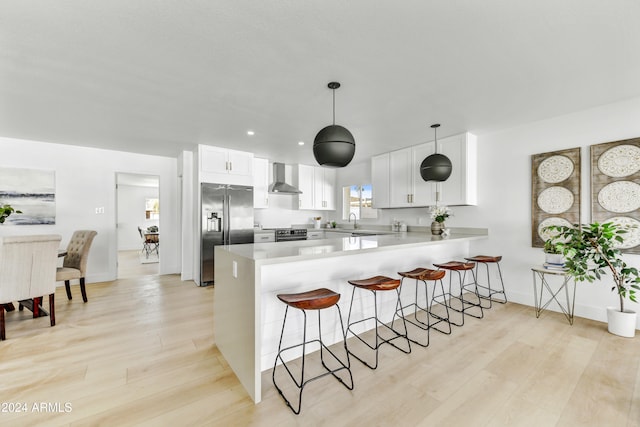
<point>289,234</point>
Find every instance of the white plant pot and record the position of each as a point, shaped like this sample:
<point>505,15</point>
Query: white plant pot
<point>554,258</point>
<point>621,323</point>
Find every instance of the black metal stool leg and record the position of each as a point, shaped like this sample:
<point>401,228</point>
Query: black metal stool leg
<point>440,319</point>
<point>324,351</point>
<point>379,340</point>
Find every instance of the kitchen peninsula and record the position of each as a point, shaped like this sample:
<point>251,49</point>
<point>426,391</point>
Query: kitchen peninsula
<point>248,316</point>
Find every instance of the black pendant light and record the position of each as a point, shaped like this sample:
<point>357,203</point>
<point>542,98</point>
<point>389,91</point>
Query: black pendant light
<point>334,145</point>
<point>436,167</point>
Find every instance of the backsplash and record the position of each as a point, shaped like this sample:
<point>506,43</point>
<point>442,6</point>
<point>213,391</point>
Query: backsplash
<point>282,213</point>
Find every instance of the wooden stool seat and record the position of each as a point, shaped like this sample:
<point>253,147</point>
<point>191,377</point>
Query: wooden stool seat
<point>456,265</point>
<point>423,274</point>
<point>376,283</point>
<point>316,299</point>
<point>484,258</point>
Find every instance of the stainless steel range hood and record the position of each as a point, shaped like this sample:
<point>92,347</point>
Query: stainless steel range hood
<point>279,186</point>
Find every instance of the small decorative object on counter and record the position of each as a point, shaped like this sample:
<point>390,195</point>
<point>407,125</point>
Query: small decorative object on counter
<point>436,228</point>
<point>316,221</point>
<point>333,224</point>
<point>438,214</point>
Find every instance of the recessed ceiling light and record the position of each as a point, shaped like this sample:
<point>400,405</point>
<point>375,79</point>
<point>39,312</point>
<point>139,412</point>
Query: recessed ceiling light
<point>250,133</point>
<point>300,142</point>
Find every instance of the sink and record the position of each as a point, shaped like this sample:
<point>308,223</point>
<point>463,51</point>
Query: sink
<point>367,233</point>
<point>360,232</point>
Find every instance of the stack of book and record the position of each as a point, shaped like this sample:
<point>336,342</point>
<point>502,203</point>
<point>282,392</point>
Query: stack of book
<point>554,266</point>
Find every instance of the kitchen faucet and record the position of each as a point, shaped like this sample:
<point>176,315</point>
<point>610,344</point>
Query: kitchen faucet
<point>355,220</point>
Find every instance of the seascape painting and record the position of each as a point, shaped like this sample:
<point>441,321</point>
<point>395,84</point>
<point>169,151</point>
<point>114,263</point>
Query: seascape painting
<point>31,191</point>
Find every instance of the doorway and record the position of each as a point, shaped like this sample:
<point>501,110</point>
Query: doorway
<point>137,224</point>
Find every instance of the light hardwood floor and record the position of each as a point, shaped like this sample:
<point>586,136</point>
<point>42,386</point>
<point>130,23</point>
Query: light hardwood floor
<point>142,352</point>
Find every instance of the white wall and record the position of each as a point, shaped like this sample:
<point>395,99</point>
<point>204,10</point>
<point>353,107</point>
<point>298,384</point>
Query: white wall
<point>131,214</point>
<point>504,195</point>
<point>85,180</point>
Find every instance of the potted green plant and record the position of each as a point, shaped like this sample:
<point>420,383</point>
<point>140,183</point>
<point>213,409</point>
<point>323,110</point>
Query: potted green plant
<point>553,253</point>
<point>5,211</point>
<point>592,250</point>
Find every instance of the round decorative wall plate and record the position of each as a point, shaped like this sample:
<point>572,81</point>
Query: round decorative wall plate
<point>546,234</point>
<point>555,169</point>
<point>632,237</point>
<point>620,161</point>
<point>555,200</point>
<point>620,196</point>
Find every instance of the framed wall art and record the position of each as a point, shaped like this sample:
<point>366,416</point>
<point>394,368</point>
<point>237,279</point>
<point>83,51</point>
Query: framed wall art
<point>555,192</point>
<point>615,187</point>
<point>31,191</point>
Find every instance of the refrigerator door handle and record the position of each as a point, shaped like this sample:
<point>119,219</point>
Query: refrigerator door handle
<point>226,220</point>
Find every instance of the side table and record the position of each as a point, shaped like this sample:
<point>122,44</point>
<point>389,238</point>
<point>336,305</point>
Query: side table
<point>542,274</point>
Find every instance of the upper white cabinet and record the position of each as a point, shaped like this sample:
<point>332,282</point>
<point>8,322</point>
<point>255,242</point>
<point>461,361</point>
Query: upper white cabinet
<point>303,178</point>
<point>397,182</point>
<point>225,166</point>
<point>324,188</point>
<point>406,187</point>
<point>318,187</point>
<point>260,183</point>
<point>461,188</point>
<point>380,181</point>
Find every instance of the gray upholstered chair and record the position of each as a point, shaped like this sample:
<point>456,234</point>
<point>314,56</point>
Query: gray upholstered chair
<point>28,271</point>
<point>74,265</point>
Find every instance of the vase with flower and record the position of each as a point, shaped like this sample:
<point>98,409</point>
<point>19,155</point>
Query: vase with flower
<point>438,216</point>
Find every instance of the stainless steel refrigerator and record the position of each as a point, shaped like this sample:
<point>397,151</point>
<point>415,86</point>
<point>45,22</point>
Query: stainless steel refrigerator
<point>227,219</point>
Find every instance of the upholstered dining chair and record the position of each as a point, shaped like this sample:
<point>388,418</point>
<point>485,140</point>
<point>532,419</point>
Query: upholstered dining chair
<point>74,265</point>
<point>28,271</point>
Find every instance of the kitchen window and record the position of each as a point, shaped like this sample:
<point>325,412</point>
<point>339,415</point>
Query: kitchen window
<point>357,199</point>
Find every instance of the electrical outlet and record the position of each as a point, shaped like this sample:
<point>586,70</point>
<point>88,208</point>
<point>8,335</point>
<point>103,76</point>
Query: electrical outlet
<point>100,210</point>
<point>235,269</point>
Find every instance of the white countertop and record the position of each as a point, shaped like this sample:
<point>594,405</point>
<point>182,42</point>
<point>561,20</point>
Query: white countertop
<point>275,252</point>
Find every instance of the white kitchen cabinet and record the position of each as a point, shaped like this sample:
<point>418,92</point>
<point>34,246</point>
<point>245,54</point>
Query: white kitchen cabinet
<point>461,187</point>
<point>303,179</point>
<point>317,185</point>
<point>406,186</point>
<point>263,236</point>
<point>397,174</point>
<point>380,181</point>
<point>225,166</point>
<point>324,188</point>
<point>400,178</point>
<point>260,183</point>
<point>315,234</point>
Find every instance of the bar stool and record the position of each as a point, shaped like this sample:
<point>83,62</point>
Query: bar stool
<point>461,269</point>
<point>423,275</point>
<point>486,261</point>
<point>374,285</point>
<point>318,300</point>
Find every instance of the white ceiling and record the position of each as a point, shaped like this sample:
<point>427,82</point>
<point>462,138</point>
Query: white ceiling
<point>158,77</point>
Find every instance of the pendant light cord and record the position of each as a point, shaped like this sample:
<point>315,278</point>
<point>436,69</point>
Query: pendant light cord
<point>435,139</point>
<point>334,106</point>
